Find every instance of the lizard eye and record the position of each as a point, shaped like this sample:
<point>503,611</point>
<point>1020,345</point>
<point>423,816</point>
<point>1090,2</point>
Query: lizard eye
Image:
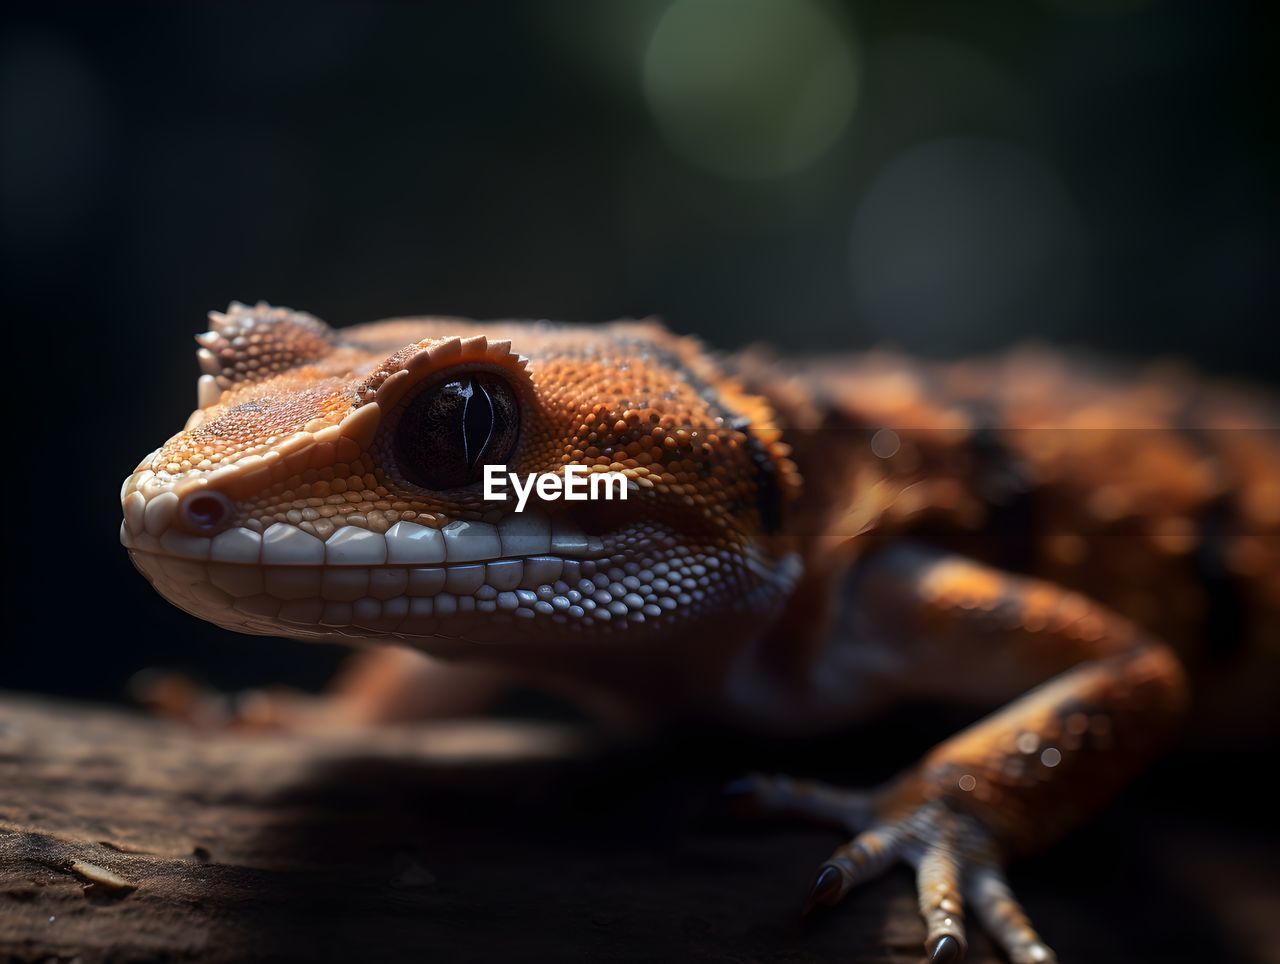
<point>448,433</point>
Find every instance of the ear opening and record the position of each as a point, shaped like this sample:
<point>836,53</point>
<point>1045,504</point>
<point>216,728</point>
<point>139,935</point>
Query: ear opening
<point>251,344</point>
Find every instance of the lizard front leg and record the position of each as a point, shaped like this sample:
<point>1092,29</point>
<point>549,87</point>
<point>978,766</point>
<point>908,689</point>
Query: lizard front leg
<point>1012,782</point>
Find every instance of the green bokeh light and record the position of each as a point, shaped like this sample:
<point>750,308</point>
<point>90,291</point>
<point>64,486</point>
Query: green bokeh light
<point>750,88</point>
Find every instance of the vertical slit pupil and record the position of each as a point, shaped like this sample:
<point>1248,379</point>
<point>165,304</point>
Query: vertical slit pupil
<point>448,431</point>
<point>477,421</point>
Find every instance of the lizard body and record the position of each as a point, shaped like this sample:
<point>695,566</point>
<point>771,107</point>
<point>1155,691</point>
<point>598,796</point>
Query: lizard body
<point>803,543</point>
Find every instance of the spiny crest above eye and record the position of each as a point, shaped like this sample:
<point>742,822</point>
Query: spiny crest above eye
<point>250,344</point>
<point>387,383</point>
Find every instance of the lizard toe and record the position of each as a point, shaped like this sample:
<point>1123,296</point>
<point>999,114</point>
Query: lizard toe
<point>955,857</point>
<point>778,796</point>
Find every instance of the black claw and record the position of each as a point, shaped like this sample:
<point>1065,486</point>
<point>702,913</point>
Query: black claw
<point>825,890</point>
<point>946,950</point>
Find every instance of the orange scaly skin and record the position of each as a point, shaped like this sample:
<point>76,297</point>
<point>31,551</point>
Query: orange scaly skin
<point>801,545</point>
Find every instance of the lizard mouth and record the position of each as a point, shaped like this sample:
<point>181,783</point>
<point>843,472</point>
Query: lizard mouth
<point>528,575</point>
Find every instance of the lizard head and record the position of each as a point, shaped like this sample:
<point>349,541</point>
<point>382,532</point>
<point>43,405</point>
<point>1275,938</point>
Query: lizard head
<point>330,485</point>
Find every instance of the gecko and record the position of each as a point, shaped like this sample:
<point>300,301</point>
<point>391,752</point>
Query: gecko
<point>804,544</point>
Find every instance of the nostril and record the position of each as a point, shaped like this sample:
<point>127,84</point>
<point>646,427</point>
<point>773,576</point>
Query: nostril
<point>206,513</point>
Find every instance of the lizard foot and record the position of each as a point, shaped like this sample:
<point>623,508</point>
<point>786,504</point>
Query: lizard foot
<point>375,687</point>
<point>177,696</point>
<point>955,858</point>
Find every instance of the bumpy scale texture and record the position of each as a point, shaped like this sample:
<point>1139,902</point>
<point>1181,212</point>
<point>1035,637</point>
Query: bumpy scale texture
<point>803,543</point>
<point>302,455</point>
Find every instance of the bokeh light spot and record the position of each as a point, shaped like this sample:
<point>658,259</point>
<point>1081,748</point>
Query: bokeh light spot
<point>885,443</point>
<point>964,244</point>
<point>750,88</point>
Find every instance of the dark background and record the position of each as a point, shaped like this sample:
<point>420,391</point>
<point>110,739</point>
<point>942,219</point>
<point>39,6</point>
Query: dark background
<point>1087,173</point>
<point>945,177</point>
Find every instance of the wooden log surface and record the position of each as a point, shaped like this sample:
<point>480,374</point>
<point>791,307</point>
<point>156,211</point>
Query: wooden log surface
<point>125,837</point>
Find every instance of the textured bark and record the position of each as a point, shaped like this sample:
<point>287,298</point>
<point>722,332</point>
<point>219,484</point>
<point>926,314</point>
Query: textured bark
<point>124,837</point>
